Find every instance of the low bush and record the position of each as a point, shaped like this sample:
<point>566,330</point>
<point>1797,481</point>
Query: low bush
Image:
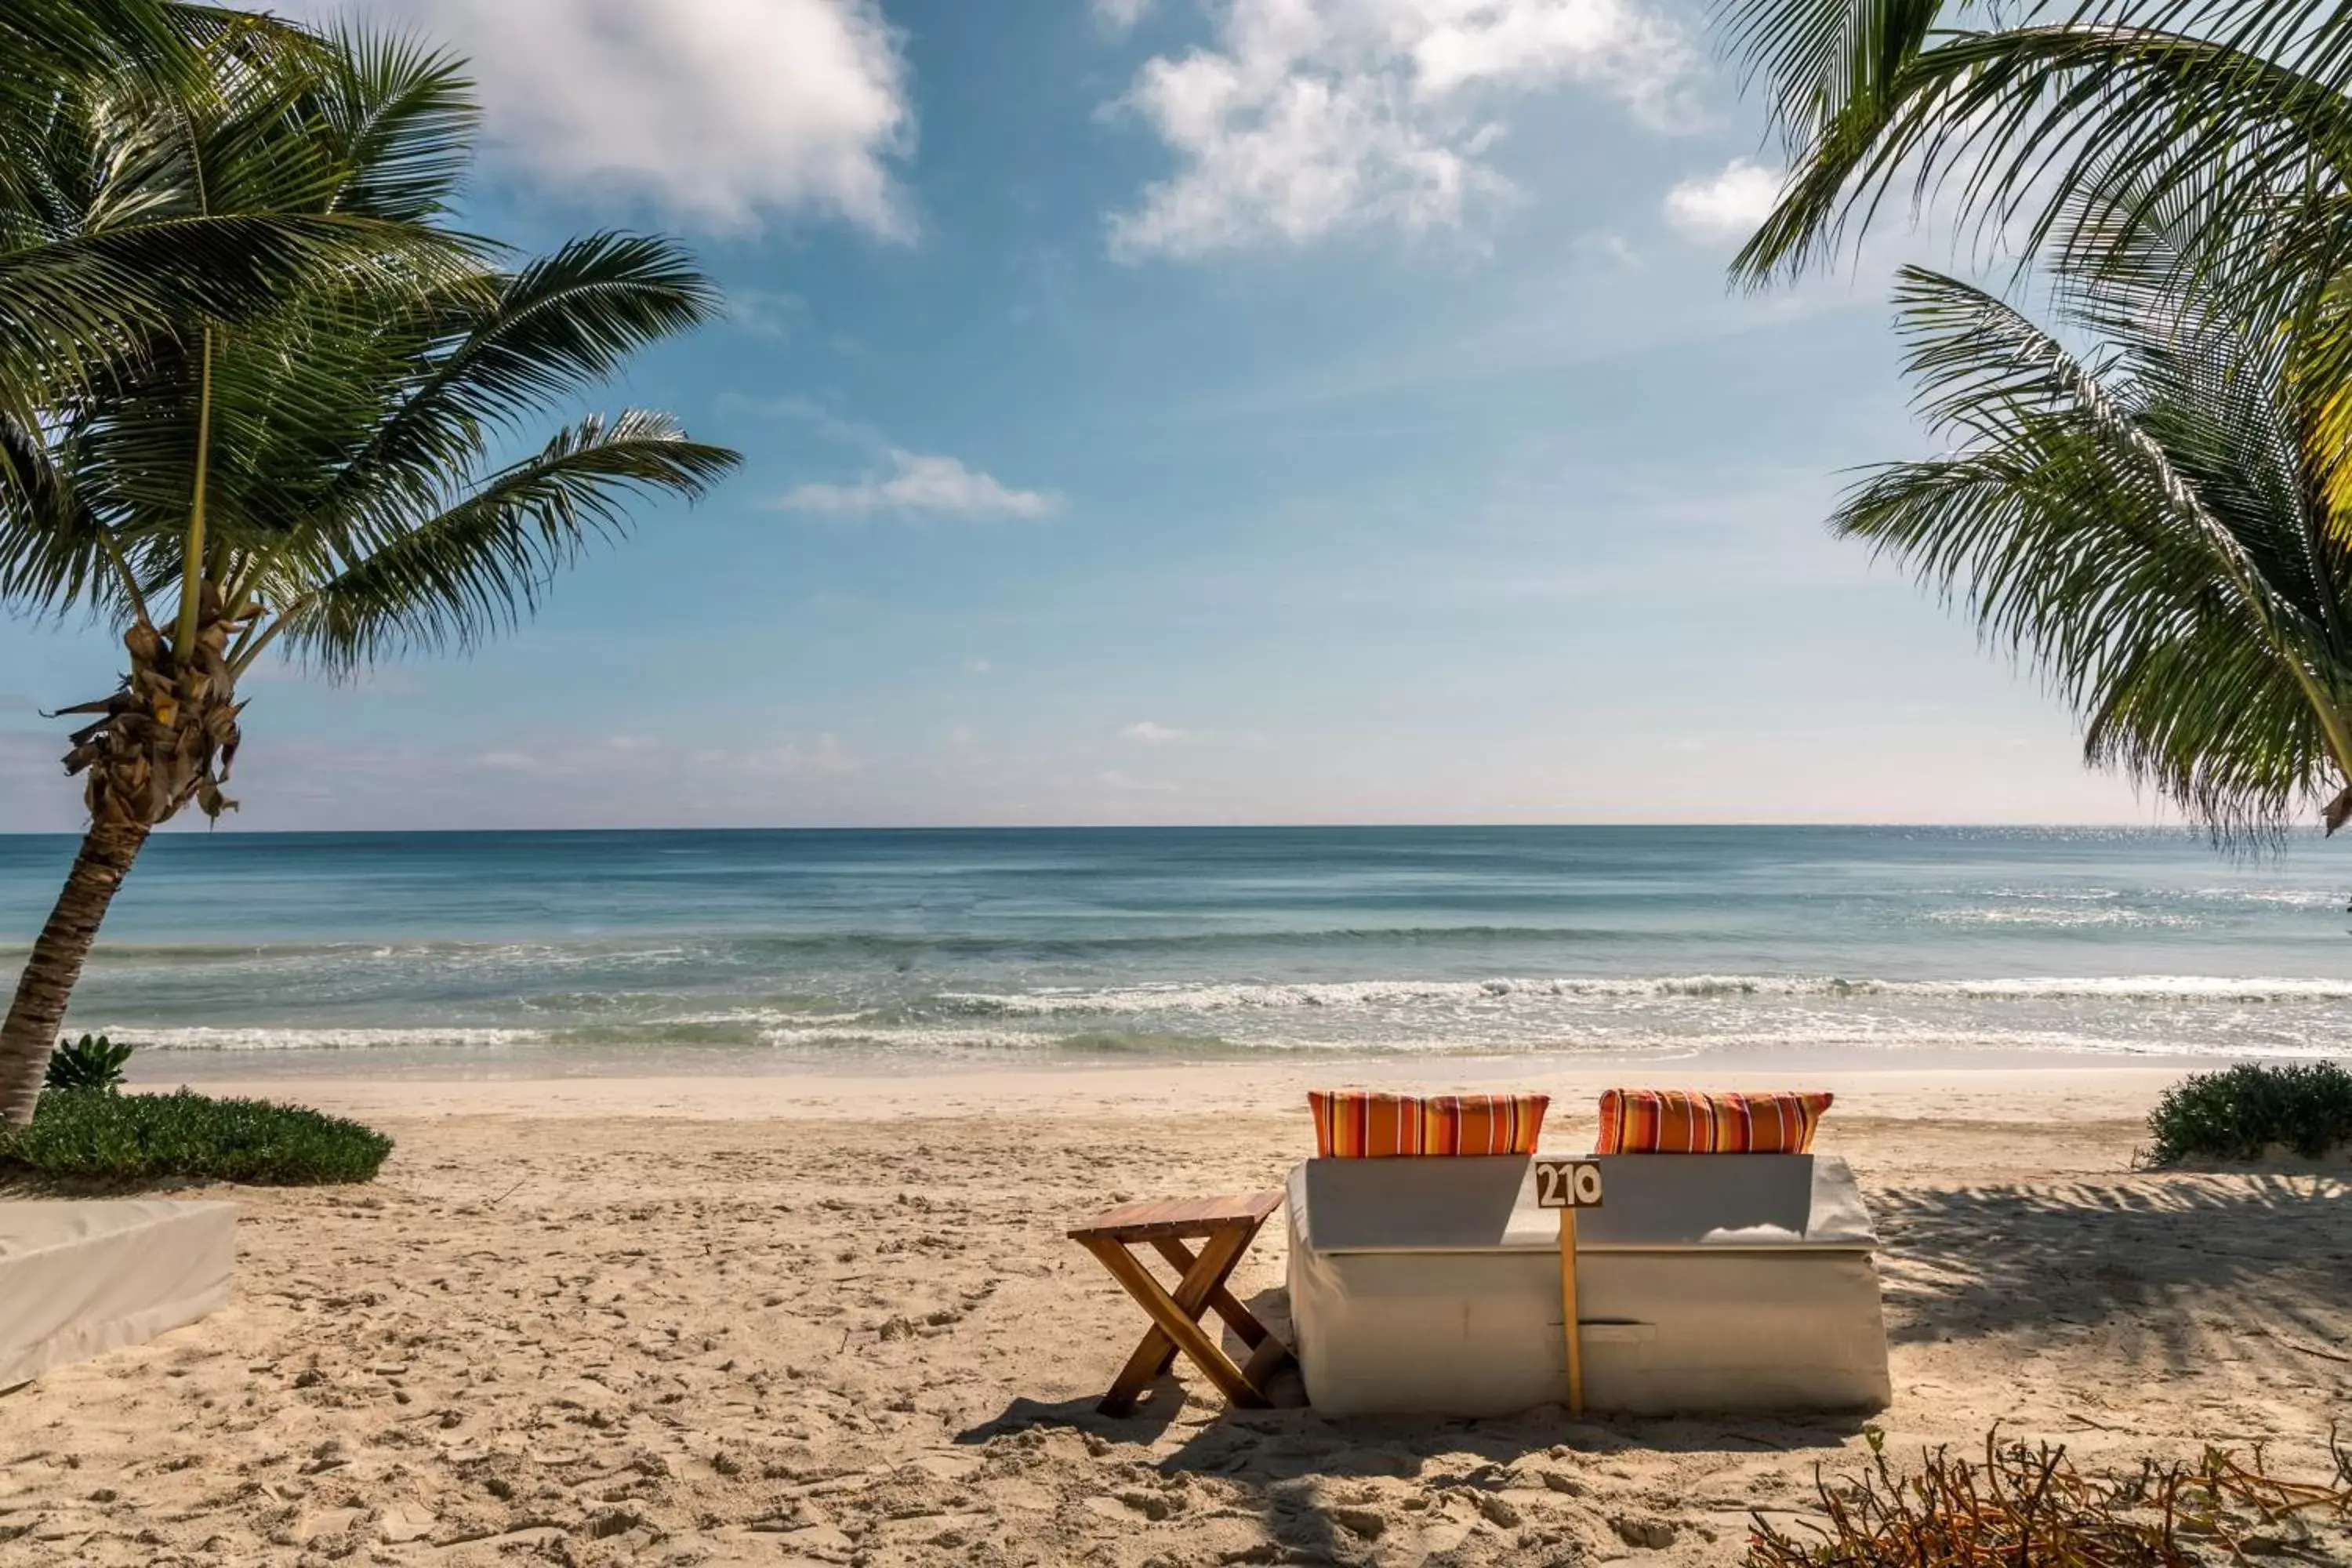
<point>91,1062</point>
<point>2026,1508</point>
<point>92,1134</point>
<point>2243,1112</point>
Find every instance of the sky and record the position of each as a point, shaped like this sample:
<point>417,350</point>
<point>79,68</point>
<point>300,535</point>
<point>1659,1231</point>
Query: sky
<point>1176,411</point>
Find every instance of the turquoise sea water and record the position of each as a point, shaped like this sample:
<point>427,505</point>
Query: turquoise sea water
<point>794,948</point>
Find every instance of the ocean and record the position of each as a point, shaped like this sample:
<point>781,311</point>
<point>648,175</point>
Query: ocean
<point>797,950</point>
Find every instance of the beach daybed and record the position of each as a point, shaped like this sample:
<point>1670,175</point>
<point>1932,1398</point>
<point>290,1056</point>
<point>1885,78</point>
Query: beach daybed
<point>79,1278</point>
<point>1713,1283</point>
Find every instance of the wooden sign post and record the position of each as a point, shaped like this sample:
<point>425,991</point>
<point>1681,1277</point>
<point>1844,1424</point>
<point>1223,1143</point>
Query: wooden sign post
<point>1569,1185</point>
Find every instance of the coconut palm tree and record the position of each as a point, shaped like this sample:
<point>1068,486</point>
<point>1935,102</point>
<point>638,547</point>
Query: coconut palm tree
<point>345,477</point>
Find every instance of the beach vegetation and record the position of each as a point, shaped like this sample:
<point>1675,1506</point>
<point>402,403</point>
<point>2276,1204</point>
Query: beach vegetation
<point>373,460</point>
<point>2150,501</point>
<point>2031,1506</point>
<point>96,1135</point>
<point>92,1061</point>
<point>2252,1111</point>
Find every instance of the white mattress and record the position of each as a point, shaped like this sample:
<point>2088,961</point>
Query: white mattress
<point>1706,1283</point>
<point>79,1278</point>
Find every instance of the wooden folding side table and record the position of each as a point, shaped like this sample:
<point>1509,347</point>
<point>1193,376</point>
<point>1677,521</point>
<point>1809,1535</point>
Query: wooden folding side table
<point>1224,1227</point>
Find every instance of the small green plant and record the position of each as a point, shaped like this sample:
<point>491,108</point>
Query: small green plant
<point>94,1134</point>
<point>2242,1112</point>
<point>91,1062</point>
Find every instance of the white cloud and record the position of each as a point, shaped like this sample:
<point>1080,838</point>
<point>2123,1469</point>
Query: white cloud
<point>828,758</point>
<point>1316,117</point>
<point>1608,246</point>
<point>1725,206</point>
<point>1152,735</point>
<point>714,113</point>
<point>831,755</point>
<point>810,412</point>
<point>921,484</point>
<point>766,313</point>
<point>1111,778</point>
<point>1118,16</point>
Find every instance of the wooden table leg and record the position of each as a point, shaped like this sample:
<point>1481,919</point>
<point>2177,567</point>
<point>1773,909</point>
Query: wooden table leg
<point>1268,1354</point>
<point>1174,1319</point>
<point>1265,1360</point>
<point>1220,1300</point>
<point>1157,1352</point>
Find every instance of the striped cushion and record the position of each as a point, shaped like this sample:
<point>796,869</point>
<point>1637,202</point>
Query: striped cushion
<point>1685,1121</point>
<point>1361,1124</point>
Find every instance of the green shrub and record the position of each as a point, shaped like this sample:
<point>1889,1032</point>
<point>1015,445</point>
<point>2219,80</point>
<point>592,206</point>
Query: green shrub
<point>91,1062</point>
<point>94,1134</point>
<point>2238,1114</point>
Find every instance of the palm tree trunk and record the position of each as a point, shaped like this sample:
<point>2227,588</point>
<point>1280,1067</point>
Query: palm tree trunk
<point>167,737</point>
<point>31,1031</point>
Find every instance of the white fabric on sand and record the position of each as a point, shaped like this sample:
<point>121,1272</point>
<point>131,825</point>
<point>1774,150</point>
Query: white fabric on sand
<point>79,1278</point>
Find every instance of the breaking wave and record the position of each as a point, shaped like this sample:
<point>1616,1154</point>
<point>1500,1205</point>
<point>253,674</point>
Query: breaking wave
<point>1183,997</point>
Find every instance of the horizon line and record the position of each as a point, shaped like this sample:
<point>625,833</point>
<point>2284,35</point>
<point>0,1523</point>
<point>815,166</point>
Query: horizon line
<point>222,831</point>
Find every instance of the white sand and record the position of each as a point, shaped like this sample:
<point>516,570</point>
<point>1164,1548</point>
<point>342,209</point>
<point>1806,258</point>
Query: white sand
<point>831,1319</point>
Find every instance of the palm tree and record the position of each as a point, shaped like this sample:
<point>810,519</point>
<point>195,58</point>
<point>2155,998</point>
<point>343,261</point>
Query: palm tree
<point>337,480</point>
<point>2154,509</point>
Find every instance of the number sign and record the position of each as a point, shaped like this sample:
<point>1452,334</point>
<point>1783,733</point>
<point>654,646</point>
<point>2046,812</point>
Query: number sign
<point>1567,1185</point>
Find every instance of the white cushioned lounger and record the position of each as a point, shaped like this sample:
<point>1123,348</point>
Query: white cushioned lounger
<point>1708,1283</point>
<point>79,1278</point>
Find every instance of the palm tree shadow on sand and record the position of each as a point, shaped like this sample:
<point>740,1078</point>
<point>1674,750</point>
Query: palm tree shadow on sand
<point>2168,1272</point>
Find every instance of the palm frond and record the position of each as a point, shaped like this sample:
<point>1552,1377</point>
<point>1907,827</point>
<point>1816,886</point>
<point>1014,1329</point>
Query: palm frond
<point>2135,529</point>
<point>2016,126</point>
<point>525,343</point>
<point>573,319</point>
<point>1822,60</point>
<point>476,568</point>
<point>49,46</point>
<point>150,202</point>
<point>54,553</point>
<point>75,312</point>
<point>401,119</point>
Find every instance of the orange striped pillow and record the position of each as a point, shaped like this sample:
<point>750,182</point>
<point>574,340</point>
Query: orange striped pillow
<point>1686,1121</point>
<point>1363,1124</point>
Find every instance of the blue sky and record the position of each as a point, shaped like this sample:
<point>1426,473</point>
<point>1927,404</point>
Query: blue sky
<point>1160,411</point>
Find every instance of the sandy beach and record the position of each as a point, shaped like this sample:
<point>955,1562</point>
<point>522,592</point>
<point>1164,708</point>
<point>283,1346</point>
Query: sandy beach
<point>800,1320</point>
<point>796,644</point>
